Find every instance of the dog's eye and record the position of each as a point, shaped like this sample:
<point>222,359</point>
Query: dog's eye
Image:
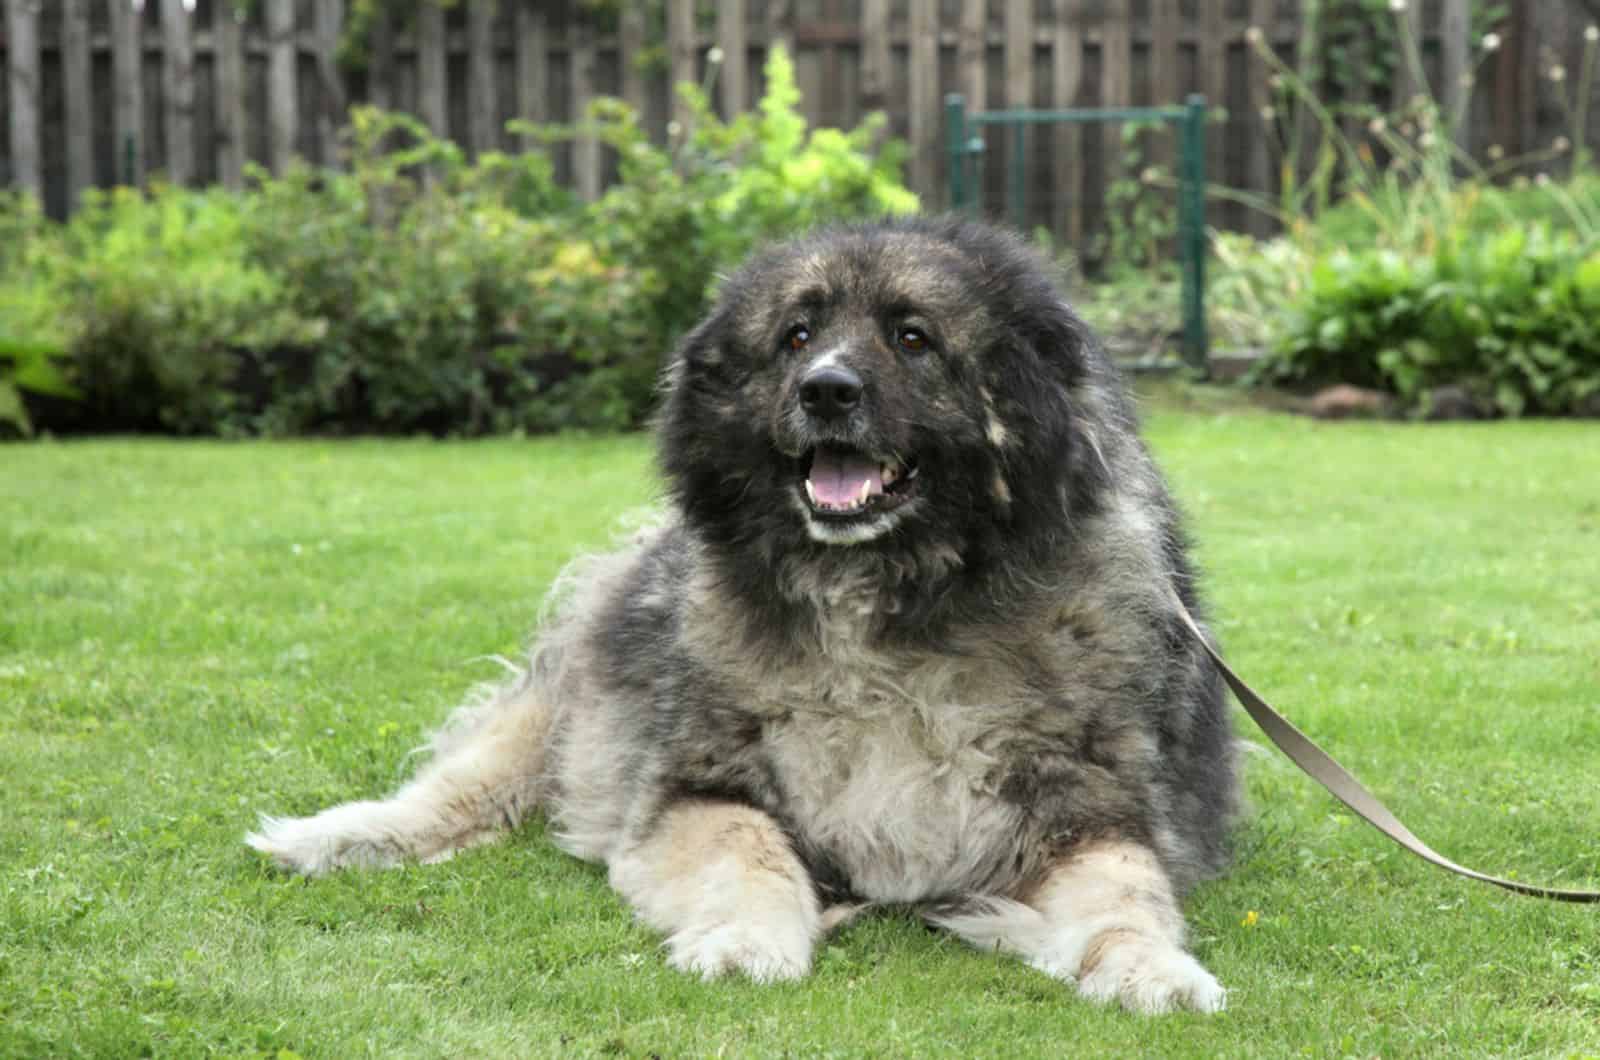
<point>911,340</point>
<point>797,338</point>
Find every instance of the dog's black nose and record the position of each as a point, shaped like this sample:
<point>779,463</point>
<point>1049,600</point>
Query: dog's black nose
<point>830,391</point>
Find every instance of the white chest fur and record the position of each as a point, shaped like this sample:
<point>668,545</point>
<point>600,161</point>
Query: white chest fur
<point>893,775</point>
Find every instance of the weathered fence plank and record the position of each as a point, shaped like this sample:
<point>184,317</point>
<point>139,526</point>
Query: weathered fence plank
<point>581,68</point>
<point>631,47</point>
<point>1066,71</point>
<point>381,60</point>
<point>972,48</point>
<point>1211,58</point>
<point>24,83</point>
<point>533,71</point>
<point>874,54</point>
<point>927,176</point>
<point>333,100</point>
<point>431,58</point>
<point>77,93</point>
<point>283,110</point>
<point>1455,66</point>
<point>178,91</point>
<point>483,102</point>
<point>1259,93</point>
<point>1406,83</point>
<point>1018,66</point>
<point>1162,61</point>
<point>229,137</point>
<point>680,54</point>
<point>1116,79</point>
<point>127,50</point>
<point>733,78</point>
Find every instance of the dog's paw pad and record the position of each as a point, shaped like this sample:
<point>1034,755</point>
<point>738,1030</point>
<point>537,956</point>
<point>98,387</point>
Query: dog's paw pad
<point>762,955</point>
<point>1150,977</point>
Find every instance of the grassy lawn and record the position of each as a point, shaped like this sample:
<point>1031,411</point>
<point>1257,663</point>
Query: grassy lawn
<point>194,632</point>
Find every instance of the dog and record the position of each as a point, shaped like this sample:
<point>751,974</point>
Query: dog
<point>909,633</point>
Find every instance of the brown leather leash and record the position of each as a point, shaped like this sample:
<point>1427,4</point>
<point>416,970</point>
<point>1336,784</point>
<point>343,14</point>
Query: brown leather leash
<point>1320,766</point>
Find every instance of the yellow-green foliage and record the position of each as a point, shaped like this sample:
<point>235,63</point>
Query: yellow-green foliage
<point>413,291</point>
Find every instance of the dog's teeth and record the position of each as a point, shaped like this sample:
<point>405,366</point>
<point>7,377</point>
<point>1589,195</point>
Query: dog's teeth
<point>811,493</point>
<point>889,475</point>
<point>911,474</point>
<point>866,491</point>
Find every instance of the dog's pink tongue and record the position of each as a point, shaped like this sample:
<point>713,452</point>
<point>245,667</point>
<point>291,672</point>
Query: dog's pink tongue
<point>836,477</point>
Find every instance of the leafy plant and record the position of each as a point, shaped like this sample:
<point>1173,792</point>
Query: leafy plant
<point>157,299</point>
<point>1515,320</point>
<point>415,291</point>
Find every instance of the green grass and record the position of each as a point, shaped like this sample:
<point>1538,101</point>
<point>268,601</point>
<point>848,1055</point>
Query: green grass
<point>193,632</point>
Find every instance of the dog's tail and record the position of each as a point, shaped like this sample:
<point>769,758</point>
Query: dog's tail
<point>486,775</point>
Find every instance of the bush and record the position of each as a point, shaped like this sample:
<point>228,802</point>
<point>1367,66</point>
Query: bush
<point>413,291</point>
<point>1406,267</point>
<point>31,345</point>
<point>1514,319</point>
<point>154,299</point>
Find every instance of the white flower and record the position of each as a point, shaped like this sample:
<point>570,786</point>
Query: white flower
<point>1268,114</point>
<point>1377,125</point>
<point>1591,34</point>
<point>1491,42</point>
<point>1561,144</point>
<point>1253,36</point>
<point>714,56</point>
<point>674,129</point>
<point>1543,180</point>
<point>1496,152</point>
<point>1558,73</point>
<point>1397,6</point>
<point>1150,175</point>
<point>1427,139</point>
<point>1275,82</point>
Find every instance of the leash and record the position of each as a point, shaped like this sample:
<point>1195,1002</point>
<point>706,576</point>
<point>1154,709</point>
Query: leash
<point>1320,766</point>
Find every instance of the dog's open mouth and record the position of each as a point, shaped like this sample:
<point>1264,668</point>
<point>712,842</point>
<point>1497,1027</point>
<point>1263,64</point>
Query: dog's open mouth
<point>844,483</point>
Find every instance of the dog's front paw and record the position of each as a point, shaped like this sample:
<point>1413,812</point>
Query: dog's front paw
<point>764,952</point>
<point>1148,976</point>
<point>348,835</point>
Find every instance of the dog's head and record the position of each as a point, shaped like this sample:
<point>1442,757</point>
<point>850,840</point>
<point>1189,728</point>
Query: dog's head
<point>904,390</point>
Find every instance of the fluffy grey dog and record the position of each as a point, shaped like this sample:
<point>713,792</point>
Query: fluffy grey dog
<point>909,633</point>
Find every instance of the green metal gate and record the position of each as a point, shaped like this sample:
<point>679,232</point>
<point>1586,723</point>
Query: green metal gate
<point>965,140</point>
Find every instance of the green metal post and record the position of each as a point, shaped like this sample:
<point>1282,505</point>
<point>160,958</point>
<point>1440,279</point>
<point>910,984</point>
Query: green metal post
<point>955,135</point>
<point>1192,206</point>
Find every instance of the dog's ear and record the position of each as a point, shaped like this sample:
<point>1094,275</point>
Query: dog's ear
<point>708,357</point>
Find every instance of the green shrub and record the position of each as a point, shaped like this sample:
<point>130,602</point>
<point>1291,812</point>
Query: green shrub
<point>413,291</point>
<point>1514,319</point>
<point>152,303</point>
<point>31,343</point>
<point>410,282</point>
<point>681,217</point>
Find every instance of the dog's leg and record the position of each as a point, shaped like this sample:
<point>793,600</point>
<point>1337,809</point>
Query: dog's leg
<point>1104,916</point>
<point>724,884</point>
<point>484,778</point>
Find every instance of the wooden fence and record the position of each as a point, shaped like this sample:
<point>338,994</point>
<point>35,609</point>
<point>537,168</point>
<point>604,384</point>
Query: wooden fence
<point>97,92</point>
